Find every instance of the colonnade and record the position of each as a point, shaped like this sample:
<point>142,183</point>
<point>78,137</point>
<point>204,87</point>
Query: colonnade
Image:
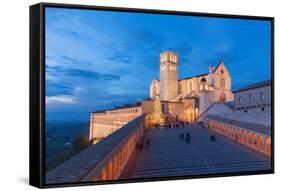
<point>103,124</point>
<point>257,141</point>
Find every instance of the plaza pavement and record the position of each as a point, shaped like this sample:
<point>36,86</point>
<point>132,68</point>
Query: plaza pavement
<point>167,155</point>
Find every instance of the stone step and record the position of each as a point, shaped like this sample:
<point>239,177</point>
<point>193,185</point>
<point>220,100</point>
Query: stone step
<point>167,155</point>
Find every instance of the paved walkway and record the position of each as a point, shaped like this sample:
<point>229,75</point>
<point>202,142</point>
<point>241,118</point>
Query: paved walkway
<point>167,155</point>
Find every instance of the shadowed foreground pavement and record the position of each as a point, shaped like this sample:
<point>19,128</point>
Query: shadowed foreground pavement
<point>167,155</point>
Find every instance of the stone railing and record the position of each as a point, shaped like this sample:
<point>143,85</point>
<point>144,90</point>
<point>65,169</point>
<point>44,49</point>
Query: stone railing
<point>254,136</point>
<point>102,161</point>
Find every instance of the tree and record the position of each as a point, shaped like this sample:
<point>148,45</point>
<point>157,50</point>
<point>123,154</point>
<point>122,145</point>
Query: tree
<point>157,116</point>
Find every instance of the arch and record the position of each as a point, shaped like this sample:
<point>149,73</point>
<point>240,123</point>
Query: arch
<point>222,97</point>
<point>239,132</point>
<point>254,139</point>
<point>104,173</point>
<point>203,80</point>
<point>244,132</point>
<point>260,142</point>
<point>268,145</point>
<point>249,138</point>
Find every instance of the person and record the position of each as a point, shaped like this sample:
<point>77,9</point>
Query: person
<point>187,138</point>
<point>212,138</point>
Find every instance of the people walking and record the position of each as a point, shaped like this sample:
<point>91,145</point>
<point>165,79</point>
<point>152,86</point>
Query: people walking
<point>187,138</point>
<point>213,138</point>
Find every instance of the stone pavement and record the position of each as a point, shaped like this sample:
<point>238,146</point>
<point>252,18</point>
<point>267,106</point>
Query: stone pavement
<point>167,155</point>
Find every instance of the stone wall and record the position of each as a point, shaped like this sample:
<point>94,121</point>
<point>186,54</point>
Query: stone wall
<point>256,137</point>
<point>102,161</point>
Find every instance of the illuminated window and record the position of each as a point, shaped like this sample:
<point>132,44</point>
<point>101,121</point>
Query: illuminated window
<point>240,99</point>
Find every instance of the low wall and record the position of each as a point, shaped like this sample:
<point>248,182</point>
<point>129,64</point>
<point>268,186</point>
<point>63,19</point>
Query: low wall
<point>102,161</point>
<point>259,141</point>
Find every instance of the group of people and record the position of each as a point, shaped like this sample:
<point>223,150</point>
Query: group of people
<point>172,125</point>
<point>187,137</point>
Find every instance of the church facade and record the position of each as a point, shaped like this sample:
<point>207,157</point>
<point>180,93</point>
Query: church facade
<point>196,93</point>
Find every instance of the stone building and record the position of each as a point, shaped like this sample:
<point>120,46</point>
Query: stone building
<point>253,98</point>
<point>181,99</point>
<point>196,93</point>
<point>103,123</point>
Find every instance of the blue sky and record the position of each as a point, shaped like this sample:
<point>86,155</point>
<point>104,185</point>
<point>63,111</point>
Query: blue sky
<point>96,59</point>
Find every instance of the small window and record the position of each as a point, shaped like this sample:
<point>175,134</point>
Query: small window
<point>262,96</point>
<point>240,99</point>
<point>250,97</point>
<point>222,71</point>
<point>262,109</point>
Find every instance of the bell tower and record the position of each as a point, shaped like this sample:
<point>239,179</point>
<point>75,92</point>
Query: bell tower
<point>168,75</point>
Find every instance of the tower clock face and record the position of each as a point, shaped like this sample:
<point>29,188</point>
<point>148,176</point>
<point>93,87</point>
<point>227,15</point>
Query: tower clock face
<point>222,82</point>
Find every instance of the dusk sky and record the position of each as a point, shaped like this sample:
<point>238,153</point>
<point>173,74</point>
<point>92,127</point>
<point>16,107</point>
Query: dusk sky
<point>97,59</point>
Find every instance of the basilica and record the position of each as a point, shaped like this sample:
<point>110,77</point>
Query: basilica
<point>195,93</point>
<point>181,99</point>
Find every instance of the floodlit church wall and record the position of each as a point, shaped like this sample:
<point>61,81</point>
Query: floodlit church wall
<point>189,110</point>
<point>175,109</point>
<point>147,106</point>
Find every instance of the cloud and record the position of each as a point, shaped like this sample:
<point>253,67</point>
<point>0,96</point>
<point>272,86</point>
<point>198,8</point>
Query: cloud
<point>87,74</point>
<point>67,33</point>
<point>60,99</point>
<point>120,56</point>
<point>55,88</point>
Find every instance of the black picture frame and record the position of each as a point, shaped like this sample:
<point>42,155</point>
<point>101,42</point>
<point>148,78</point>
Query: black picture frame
<point>37,91</point>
